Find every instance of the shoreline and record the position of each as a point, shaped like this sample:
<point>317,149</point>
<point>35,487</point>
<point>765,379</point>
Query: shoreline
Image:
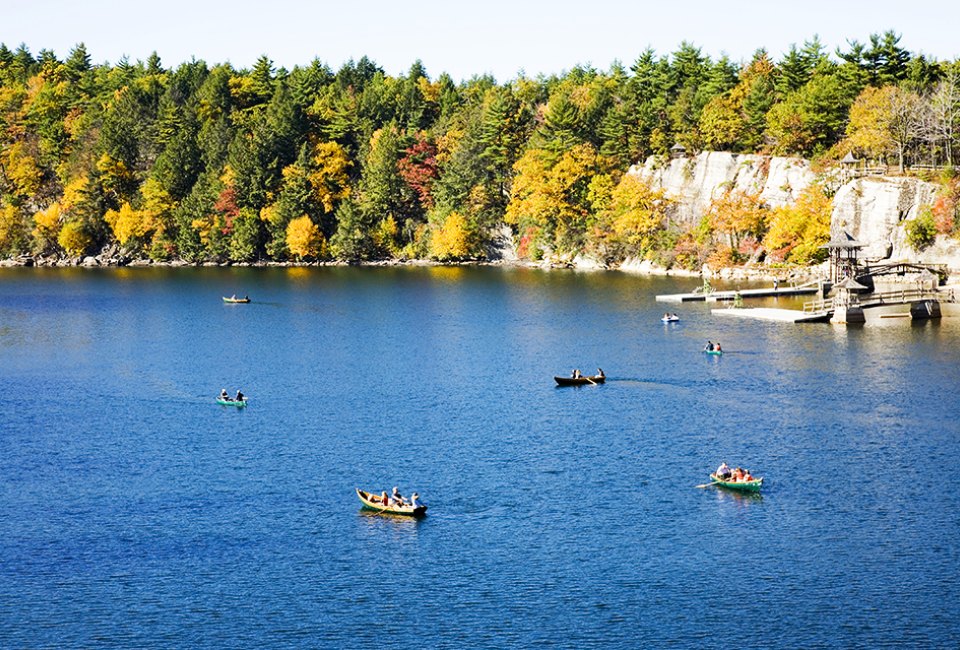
<point>633,267</point>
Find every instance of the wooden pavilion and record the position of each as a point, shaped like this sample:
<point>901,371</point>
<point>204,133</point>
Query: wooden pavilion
<point>844,251</point>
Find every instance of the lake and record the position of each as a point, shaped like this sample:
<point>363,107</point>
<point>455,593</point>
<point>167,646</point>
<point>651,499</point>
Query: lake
<point>136,512</point>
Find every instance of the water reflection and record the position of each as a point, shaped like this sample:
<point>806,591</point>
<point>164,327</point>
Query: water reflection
<point>377,523</point>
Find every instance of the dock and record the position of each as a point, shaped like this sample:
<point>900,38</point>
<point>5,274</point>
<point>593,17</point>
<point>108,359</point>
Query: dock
<point>719,296</point>
<point>772,314</point>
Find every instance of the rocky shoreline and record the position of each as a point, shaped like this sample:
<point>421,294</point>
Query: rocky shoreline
<point>636,267</point>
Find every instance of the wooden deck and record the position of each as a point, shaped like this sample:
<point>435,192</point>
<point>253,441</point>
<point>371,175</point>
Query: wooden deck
<point>771,314</point>
<point>723,296</point>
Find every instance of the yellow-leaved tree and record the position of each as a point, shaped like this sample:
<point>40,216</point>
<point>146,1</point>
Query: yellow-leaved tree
<point>884,121</point>
<point>797,231</point>
<point>47,225</point>
<point>129,224</point>
<point>304,239</point>
<point>453,239</point>
<point>21,169</point>
<point>331,178</point>
<point>630,219</point>
<point>74,238</point>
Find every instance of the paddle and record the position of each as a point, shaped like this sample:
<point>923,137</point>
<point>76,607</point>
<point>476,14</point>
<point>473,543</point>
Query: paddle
<point>706,485</point>
<point>591,381</point>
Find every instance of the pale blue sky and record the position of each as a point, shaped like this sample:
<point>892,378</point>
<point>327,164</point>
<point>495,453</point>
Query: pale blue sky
<point>483,36</point>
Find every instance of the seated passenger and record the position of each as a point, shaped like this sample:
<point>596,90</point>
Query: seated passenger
<point>239,397</point>
<point>600,374</point>
<point>413,500</point>
<point>397,497</point>
<point>723,472</point>
<point>223,394</point>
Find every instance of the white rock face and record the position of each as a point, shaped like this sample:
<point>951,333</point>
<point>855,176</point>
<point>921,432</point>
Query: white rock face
<point>695,182</point>
<point>875,210</point>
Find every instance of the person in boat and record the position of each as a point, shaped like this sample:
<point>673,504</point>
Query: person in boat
<point>576,373</point>
<point>413,500</point>
<point>397,498</point>
<point>384,499</point>
<point>708,347</point>
<point>738,475</point>
<point>223,394</point>
<point>600,374</point>
<point>723,472</point>
<point>717,348</point>
<point>239,397</point>
<point>747,476</point>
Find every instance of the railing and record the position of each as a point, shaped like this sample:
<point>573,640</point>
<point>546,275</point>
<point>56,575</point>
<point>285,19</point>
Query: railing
<point>899,297</point>
<point>818,306</point>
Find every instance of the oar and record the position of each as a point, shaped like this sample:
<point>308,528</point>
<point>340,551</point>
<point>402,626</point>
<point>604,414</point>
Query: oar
<point>591,381</point>
<point>706,485</point>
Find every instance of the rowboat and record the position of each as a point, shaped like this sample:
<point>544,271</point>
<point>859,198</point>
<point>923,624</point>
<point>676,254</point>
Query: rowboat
<point>372,502</point>
<point>744,486</point>
<point>716,352</point>
<point>580,381</point>
<point>235,300</point>
<point>232,402</point>
<point>670,319</point>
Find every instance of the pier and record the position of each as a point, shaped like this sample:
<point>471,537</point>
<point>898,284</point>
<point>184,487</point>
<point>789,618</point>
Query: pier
<point>849,308</point>
<point>723,296</point>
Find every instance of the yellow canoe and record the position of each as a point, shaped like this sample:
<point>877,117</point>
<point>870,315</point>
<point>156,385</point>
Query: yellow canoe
<point>372,502</point>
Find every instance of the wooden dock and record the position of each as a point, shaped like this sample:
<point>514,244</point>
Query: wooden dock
<point>723,296</point>
<point>771,314</point>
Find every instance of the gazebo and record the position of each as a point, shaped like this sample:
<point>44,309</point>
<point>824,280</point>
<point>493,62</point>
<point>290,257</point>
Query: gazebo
<point>848,166</point>
<point>678,151</point>
<point>846,304</point>
<point>843,250</point>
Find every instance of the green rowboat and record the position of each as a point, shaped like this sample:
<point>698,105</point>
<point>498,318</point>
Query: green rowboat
<point>232,402</point>
<point>743,486</point>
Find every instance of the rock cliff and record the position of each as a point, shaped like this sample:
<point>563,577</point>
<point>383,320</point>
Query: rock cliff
<point>873,210</point>
<point>695,182</point>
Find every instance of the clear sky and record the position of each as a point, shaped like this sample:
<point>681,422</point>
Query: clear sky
<point>499,37</point>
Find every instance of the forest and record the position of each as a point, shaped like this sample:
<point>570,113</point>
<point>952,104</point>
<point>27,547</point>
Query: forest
<point>208,163</point>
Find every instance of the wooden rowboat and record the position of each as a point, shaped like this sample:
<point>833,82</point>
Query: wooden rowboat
<point>372,502</point>
<point>235,300</point>
<point>232,402</point>
<point>580,381</point>
<point>744,486</point>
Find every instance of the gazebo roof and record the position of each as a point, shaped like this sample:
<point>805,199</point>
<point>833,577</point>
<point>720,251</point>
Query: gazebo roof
<point>678,147</point>
<point>849,159</point>
<point>850,284</point>
<point>842,240</point>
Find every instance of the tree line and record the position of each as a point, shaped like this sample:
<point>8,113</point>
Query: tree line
<point>211,163</point>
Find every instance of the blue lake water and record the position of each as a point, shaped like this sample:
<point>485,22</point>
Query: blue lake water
<point>135,512</point>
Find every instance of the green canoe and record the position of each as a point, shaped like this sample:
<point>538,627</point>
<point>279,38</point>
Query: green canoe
<point>744,486</point>
<point>232,402</point>
<point>717,352</point>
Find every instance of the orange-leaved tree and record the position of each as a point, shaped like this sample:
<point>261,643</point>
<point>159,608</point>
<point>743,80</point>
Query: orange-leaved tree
<point>738,214</point>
